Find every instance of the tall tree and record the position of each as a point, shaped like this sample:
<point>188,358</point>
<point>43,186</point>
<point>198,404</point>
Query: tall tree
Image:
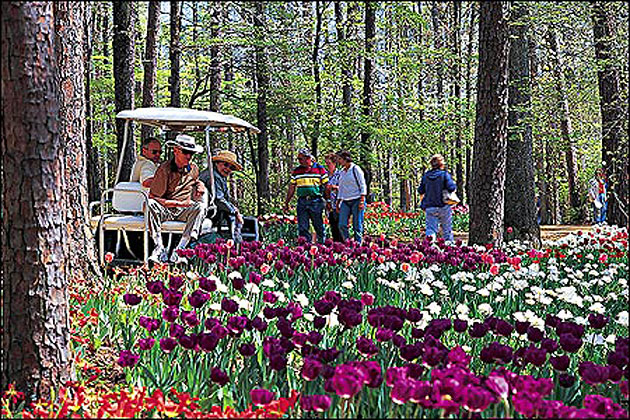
<point>614,121</point>
<point>565,118</point>
<point>457,93</point>
<point>366,147</point>
<point>520,198</point>
<point>150,63</point>
<point>343,32</point>
<point>69,27</point>
<point>36,335</point>
<point>469,53</point>
<point>93,171</point>
<point>319,10</point>
<point>175,53</point>
<point>124,81</point>
<point>262,83</point>
<point>489,153</point>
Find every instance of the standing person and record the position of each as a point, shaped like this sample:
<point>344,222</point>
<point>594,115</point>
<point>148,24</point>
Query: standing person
<point>598,195</point>
<point>331,204</point>
<point>310,180</point>
<point>147,163</point>
<point>351,196</point>
<point>177,194</point>
<point>224,163</point>
<point>433,183</point>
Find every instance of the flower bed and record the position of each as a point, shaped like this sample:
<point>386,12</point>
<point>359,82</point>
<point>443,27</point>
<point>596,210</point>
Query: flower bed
<point>388,329</point>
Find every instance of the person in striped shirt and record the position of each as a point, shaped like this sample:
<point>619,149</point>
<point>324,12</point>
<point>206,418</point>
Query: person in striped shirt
<point>309,181</point>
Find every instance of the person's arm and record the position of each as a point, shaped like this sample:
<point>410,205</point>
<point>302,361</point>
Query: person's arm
<point>289,196</point>
<point>422,189</point>
<point>362,186</point>
<point>450,184</point>
<point>158,189</point>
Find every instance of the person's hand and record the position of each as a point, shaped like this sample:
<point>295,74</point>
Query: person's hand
<point>239,217</point>
<point>361,205</point>
<point>199,190</point>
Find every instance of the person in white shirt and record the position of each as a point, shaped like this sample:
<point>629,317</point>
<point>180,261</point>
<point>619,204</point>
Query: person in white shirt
<point>351,196</point>
<point>146,165</point>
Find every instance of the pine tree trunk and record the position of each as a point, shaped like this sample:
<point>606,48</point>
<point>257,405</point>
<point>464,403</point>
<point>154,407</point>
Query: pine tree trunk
<point>520,198</point>
<point>366,146</point>
<point>150,63</point>
<point>216,16</point>
<point>123,49</point>
<point>262,82</point>
<point>93,169</point>
<point>489,153</point>
<point>614,122</point>
<point>70,26</point>
<point>565,119</point>
<point>473,13</point>
<point>316,77</point>
<point>459,169</point>
<point>346,72</point>
<point>421,73</point>
<point>175,53</point>
<point>36,332</point>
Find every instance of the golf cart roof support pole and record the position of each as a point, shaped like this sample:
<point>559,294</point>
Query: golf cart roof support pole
<point>210,167</point>
<point>122,152</point>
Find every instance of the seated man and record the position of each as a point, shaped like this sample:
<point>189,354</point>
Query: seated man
<point>224,163</point>
<point>147,163</point>
<point>176,194</point>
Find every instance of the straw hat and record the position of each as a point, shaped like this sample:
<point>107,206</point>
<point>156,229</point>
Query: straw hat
<point>227,157</point>
<point>185,142</point>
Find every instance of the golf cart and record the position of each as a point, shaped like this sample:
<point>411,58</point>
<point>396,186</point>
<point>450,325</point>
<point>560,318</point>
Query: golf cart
<point>123,218</point>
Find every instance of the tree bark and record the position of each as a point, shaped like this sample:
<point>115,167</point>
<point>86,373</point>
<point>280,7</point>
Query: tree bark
<point>93,172</point>
<point>123,49</point>
<point>262,83</point>
<point>520,198</point>
<point>36,335</point>
<point>69,30</point>
<point>489,153</point>
<point>174,54</point>
<point>366,146</point>
<point>565,119</point>
<point>346,72</point>
<point>614,121</point>
<point>459,169</point>
<point>473,14</point>
<point>420,59</point>
<point>150,63</point>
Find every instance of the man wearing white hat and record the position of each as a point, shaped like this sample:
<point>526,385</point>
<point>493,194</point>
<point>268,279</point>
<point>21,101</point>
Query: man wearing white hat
<point>224,164</point>
<point>177,194</point>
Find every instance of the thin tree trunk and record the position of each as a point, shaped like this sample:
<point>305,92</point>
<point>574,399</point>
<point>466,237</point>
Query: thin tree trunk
<point>520,198</point>
<point>150,63</point>
<point>473,14</point>
<point>421,61</point>
<point>316,77</point>
<point>614,121</point>
<point>565,119</point>
<point>488,180</point>
<point>123,49</point>
<point>459,170</point>
<point>262,83</point>
<point>366,147</point>
<point>346,72</point>
<point>36,353</point>
<point>175,53</point>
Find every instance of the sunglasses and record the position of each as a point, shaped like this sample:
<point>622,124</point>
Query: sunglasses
<point>155,151</point>
<point>229,166</point>
<point>187,152</point>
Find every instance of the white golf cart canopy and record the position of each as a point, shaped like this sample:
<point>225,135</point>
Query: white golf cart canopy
<point>182,119</point>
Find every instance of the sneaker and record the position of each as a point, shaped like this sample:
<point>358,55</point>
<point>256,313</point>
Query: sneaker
<point>159,255</point>
<point>176,258</point>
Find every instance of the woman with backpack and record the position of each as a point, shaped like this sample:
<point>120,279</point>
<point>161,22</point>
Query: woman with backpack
<point>434,183</point>
<point>351,196</point>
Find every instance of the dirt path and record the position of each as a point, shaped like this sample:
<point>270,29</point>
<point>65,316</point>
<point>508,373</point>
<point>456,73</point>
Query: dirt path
<point>548,232</point>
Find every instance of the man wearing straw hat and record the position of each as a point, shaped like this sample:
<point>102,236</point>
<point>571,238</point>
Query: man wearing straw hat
<point>177,194</point>
<point>224,164</point>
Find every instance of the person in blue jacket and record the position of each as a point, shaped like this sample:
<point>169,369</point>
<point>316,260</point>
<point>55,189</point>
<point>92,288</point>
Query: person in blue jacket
<point>438,213</point>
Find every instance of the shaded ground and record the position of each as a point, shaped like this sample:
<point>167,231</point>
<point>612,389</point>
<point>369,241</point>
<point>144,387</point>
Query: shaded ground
<point>548,232</point>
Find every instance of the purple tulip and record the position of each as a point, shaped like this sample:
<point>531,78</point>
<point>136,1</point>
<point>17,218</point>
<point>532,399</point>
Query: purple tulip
<point>597,321</point>
<point>131,299</point>
<point>521,326</point>
<point>314,337</point>
<point>414,315</point>
<point>323,307</point>
<point>560,363</point>
<point>218,376</point>
<point>190,318</point>
<point>459,325</point>
<point>247,349</point>
<point>175,282</point>
<point>534,334</point>
<point>347,381</point>
<point>207,284</point>
<point>198,298</point>
<point>477,399</point>
<point>318,403</point>
<point>478,330</point>
<point>171,297</point>
<point>259,324</point>
<point>146,343</point>
<point>614,373</point>
<point>188,342</point>
<point>565,380</point>
<point>176,330</point>
<point>170,313</point>
<point>238,283</point>
<point>319,322</point>
<point>503,328</point>
<point>570,343</point>
<point>208,341</point>
<point>261,396</point>
<point>255,278</point>
<point>496,353</point>
<point>277,362</point>
<point>536,356</point>
<point>229,306</point>
<point>128,359</point>
<point>592,373</point>
<point>269,297</point>
<point>549,344</point>
<point>167,344</point>
<point>310,369</point>
<point>366,347</point>
<point>155,287</point>
<point>618,359</point>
